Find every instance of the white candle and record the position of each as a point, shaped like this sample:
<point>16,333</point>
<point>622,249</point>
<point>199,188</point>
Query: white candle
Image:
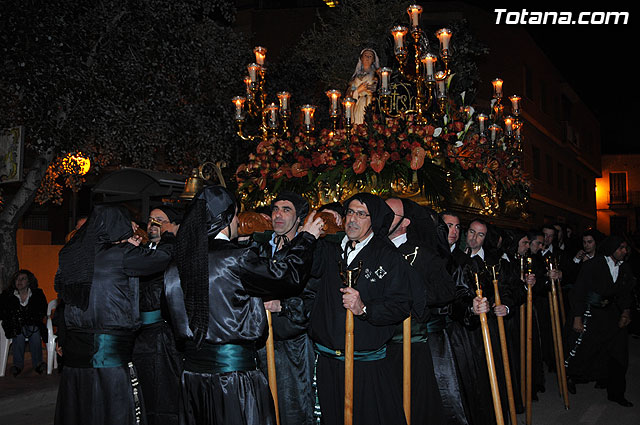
<point>414,12</point>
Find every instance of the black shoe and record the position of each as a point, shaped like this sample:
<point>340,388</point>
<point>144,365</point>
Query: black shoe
<point>621,401</point>
<point>15,371</point>
<point>41,368</point>
<point>571,386</point>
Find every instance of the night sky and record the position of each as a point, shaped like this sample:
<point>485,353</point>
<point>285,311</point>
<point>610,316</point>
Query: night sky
<point>595,59</point>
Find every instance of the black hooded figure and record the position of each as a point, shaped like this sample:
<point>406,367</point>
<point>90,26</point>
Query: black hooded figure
<point>155,355</point>
<point>379,301</point>
<point>597,348</point>
<point>214,290</point>
<point>97,280</point>
<point>432,288</point>
<point>294,356</point>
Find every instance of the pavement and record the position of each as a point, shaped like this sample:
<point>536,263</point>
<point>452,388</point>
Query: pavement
<point>30,399</point>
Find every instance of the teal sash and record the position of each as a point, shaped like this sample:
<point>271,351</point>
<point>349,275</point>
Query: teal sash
<point>112,350</point>
<point>94,350</point>
<point>150,317</point>
<point>361,356</point>
<point>436,323</point>
<point>219,358</point>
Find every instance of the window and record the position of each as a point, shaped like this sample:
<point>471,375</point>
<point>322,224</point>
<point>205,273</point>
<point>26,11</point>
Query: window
<point>617,188</point>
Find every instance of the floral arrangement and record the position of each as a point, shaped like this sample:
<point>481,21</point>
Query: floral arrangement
<point>386,156</point>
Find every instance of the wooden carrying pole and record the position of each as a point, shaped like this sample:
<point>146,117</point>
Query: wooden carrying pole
<point>505,353</point>
<point>271,368</point>
<point>554,333</point>
<point>529,345</point>
<point>350,278</point>
<point>406,368</point>
<point>495,392</point>
<point>523,340</point>
<point>561,371</point>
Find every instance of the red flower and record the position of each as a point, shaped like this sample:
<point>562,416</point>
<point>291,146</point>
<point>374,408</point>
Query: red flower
<point>417,158</point>
<point>297,170</point>
<point>378,161</point>
<point>360,164</point>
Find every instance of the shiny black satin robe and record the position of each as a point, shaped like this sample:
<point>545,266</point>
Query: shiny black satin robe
<point>294,357</point>
<point>239,278</point>
<point>156,357</point>
<point>384,288</point>
<point>105,395</point>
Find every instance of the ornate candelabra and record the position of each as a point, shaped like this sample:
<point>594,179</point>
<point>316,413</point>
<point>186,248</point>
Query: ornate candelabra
<point>422,72</point>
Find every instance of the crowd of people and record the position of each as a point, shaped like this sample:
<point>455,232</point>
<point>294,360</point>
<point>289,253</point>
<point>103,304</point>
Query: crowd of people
<point>173,330</point>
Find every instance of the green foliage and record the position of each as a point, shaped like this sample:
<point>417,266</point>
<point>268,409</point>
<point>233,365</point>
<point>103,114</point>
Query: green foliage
<point>140,83</point>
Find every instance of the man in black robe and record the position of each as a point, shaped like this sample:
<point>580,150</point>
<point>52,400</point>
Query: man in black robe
<point>600,305</point>
<point>215,289</point>
<point>157,360</point>
<point>379,301</point>
<point>97,279</point>
<point>294,356</point>
<point>414,233</point>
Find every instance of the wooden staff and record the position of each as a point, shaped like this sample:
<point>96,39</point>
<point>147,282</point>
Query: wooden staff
<point>523,339</point>
<point>406,368</point>
<point>505,352</point>
<point>271,368</point>
<point>350,278</point>
<point>529,343</point>
<point>554,333</point>
<point>495,392</point>
<point>561,371</point>
<point>560,298</point>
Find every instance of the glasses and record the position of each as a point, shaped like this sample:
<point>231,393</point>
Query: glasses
<point>360,214</point>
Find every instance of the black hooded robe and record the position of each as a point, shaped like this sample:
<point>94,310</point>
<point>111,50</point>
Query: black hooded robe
<point>221,383</point>
<point>98,383</point>
<point>601,351</point>
<point>383,284</point>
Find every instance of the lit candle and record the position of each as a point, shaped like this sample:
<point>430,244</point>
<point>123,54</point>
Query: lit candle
<point>253,69</point>
<point>414,12</point>
<point>398,33</point>
<point>308,111</point>
<point>497,88</point>
<point>348,105</point>
<point>429,62</point>
<point>260,53</point>
<point>272,112</point>
<point>508,125</point>
<point>441,78</point>
<point>334,96</point>
<point>386,76</point>
<point>444,35</point>
<point>239,102</point>
<point>482,119</point>
<point>247,82</point>
<point>494,130</point>
<point>284,97</point>
<point>515,104</point>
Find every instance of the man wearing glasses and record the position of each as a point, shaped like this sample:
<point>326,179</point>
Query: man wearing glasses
<point>379,300</point>
<point>155,355</point>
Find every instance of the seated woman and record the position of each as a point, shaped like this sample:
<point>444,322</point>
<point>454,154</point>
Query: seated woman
<point>23,307</point>
<point>364,82</point>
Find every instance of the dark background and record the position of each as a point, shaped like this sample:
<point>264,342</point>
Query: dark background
<point>594,59</point>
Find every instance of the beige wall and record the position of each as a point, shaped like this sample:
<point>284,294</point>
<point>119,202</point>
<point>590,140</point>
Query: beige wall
<point>35,253</point>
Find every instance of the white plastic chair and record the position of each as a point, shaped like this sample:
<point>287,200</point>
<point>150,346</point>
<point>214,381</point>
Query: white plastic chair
<point>4,350</point>
<point>52,360</point>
